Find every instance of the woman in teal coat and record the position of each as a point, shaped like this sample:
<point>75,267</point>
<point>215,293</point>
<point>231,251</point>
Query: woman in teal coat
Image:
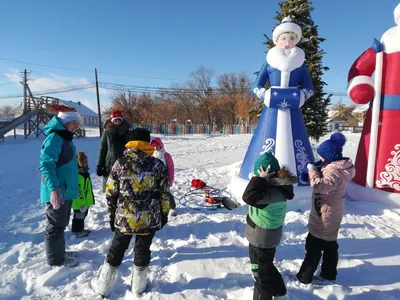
<point>59,183</point>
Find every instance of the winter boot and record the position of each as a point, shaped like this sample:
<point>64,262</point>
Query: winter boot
<point>139,279</point>
<point>70,260</point>
<point>82,234</point>
<point>172,212</point>
<point>103,284</point>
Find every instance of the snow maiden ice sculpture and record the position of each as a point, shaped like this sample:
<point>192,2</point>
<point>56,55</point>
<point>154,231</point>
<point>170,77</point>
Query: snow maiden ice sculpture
<point>378,157</point>
<point>281,128</point>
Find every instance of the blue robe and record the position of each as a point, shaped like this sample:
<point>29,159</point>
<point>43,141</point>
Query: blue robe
<point>281,129</point>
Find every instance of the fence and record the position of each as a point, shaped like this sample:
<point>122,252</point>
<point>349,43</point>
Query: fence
<point>180,129</point>
<point>355,129</point>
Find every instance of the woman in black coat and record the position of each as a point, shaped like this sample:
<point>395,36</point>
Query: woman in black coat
<point>112,144</point>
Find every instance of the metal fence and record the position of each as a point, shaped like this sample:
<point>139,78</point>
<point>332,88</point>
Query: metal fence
<point>180,129</point>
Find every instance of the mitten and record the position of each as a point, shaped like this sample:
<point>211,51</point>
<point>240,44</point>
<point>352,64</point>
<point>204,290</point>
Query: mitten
<point>99,171</point>
<point>311,167</point>
<point>112,222</point>
<point>56,198</point>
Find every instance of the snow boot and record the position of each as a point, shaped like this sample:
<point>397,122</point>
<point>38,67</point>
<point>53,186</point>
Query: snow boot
<point>103,284</point>
<point>139,279</point>
<point>172,212</point>
<point>70,260</point>
<point>82,234</point>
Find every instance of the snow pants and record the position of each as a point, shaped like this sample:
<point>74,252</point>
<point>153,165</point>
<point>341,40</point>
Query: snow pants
<point>330,258</point>
<point>121,242</point>
<point>54,240</point>
<point>78,221</point>
<point>269,281</point>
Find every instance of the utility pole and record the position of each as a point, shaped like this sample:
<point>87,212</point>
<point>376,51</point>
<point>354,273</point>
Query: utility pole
<point>98,103</point>
<point>27,106</point>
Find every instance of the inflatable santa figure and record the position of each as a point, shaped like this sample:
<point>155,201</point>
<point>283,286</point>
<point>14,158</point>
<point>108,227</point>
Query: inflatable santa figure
<point>378,157</point>
<point>281,129</point>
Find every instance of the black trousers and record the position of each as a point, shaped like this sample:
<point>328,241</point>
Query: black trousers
<point>54,241</point>
<point>78,221</point>
<point>121,242</point>
<point>269,281</point>
<point>330,258</point>
<point>172,203</point>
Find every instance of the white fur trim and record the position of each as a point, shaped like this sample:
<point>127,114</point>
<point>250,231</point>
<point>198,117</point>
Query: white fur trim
<point>289,26</point>
<point>362,79</point>
<point>397,14</point>
<point>286,60</point>
<point>67,116</point>
<point>117,118</point>
<point>267,97</point>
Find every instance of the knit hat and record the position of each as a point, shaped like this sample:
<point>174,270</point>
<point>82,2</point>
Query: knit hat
<point>116,115</point>
<point>266,160</point>
<point>67,116</point>
<point>287,25</point>
<point>140,134</point>
<point>331,150</point>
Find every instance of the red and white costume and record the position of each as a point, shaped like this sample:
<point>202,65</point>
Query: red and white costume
<point>361,89</point>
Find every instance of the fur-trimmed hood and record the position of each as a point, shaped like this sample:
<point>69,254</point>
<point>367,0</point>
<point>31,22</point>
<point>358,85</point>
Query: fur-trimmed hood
<point>284,181</point>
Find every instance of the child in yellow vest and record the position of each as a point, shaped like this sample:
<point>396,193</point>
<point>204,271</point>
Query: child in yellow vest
<point>85,198</point>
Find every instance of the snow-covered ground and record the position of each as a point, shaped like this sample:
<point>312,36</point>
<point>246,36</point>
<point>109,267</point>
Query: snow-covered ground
<point>200,254</point>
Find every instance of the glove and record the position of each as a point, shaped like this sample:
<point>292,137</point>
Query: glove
<point>99,171</point>
<point>302,98</point>
<point>259,92</point>
<point>112,222</point>
<point>267,174</point>
<point>56,199</point>
<point>311,167</point>
<point>112,207</point>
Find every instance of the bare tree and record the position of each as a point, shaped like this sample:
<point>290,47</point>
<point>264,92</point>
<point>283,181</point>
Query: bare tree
<point>7,110</point>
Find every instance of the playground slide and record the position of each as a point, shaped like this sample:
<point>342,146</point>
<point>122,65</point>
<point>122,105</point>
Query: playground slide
<point>16,122</point>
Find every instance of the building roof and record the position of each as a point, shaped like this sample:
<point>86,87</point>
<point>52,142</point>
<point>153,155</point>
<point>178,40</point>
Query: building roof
<point>80,108</point>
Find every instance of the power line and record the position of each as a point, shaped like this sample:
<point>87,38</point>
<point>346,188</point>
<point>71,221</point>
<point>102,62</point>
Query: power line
<point>87,71</point>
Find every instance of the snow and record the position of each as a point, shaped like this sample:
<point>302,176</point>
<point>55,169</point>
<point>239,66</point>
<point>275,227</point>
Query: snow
<point>200,254</point>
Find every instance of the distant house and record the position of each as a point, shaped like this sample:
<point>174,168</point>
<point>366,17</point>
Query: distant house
<point>88,117</point>
<point>359,112</point>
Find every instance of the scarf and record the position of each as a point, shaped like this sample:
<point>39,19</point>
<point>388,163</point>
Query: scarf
<point>141,145</point>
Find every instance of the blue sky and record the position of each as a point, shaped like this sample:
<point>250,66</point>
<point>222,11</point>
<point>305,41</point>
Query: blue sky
<point>160,42</point>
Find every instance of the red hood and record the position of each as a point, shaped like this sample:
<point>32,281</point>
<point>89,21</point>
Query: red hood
<point>157,141</point>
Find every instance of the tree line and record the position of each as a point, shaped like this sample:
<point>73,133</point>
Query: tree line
<point>228,102</point>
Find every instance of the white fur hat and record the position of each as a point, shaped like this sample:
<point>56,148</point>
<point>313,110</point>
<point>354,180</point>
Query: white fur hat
<point>286,26</point>
<point>67,116</point>
<point>397,14</point>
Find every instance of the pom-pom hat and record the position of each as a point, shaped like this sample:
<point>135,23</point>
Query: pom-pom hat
<point>287,25</point>
<point>331,150</point>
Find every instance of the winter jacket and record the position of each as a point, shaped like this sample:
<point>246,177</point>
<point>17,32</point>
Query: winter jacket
<point>112,145</point>
<point>267,209</point>
<point>86,196</point>
<point>138,188</point>
<point>58,162</point>
<point>166,158</point>
<point>329,188</point>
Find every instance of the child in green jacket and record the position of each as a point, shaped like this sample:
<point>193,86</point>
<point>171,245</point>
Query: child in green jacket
<point>85,197</point>
<point>266,195</point>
